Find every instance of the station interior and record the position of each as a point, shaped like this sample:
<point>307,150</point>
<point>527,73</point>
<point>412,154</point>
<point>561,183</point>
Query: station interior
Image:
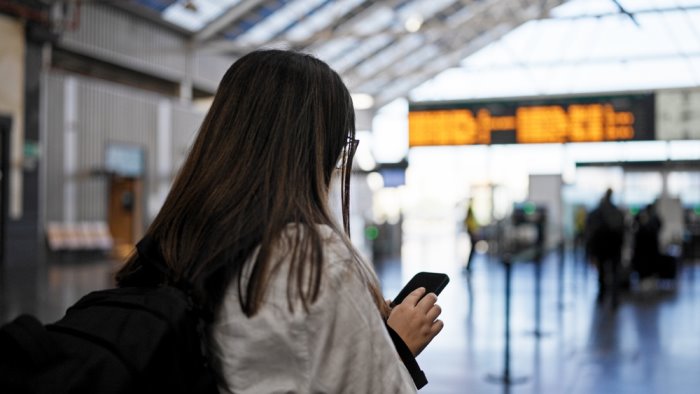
<point>522,113</point>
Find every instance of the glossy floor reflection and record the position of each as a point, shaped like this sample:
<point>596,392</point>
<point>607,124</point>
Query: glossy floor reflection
<point>48,289</point>
<point>649,344</point>
<point>562,340</point>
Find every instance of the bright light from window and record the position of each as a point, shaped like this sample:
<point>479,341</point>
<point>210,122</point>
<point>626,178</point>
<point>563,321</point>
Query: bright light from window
<point>375,181</point>
<point>362,101</point>
<point>413,23</point>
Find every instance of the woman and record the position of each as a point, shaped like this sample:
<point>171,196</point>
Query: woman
<point>291,305</point>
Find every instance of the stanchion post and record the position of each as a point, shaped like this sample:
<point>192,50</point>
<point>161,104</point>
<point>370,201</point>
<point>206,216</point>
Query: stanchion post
<point>506,357</point>
<point>506,377</point>
<point>560,286</point>
<point>537,332</point>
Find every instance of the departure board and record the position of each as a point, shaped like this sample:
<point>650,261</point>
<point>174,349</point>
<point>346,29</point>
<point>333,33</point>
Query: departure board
<point>560,120</point>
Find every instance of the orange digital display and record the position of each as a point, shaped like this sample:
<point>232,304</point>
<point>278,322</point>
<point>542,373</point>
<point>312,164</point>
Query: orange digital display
<point>540,123</point>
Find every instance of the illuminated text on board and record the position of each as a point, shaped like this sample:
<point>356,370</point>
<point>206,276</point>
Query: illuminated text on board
<point>532,124</point>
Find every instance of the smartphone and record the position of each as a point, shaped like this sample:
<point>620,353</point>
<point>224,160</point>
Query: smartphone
<point>432,281</point>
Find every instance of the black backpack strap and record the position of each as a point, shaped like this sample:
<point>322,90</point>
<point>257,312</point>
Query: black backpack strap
<point>149,270</point>
<point>26,340</point>
<point>152,261</point>
<point>150,258</point>
<point>158,273</point>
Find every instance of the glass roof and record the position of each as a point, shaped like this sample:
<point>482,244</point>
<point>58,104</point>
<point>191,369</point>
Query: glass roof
<point>587,46</point>
<point>191,15</point>
<point>580,46</point>
<point>284,20</point>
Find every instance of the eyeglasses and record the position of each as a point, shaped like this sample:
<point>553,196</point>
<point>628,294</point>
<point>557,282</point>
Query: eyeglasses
<point>348,152</point>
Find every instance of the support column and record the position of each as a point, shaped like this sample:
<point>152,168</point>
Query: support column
<point>24,235</point>
<point>187,84</point>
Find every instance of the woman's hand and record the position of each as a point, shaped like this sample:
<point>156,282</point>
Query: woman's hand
<point>415,320</point>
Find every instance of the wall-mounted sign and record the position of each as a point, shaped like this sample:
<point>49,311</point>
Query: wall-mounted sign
<point>559,120</point>
<point>678,114</point>
<point>394,174</point>
<point>124,160</point>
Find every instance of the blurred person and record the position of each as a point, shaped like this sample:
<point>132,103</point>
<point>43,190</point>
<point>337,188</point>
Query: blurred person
<point>646,255</point>
<point>291,305</point>
<point>472,227</point>
<point>605,228</point>
<point>580,215</point>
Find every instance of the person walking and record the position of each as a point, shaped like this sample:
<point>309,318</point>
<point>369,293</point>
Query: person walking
<point>605,228</point>
<point>290,304</point>
<point>646,256</point>
<point>472,227</point>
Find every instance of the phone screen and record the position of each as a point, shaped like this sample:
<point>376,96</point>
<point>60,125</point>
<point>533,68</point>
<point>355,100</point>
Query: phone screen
<point>433,282</point>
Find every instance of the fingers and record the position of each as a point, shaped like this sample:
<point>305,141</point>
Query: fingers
<point>415,296</point>
<point>436,328</point>
<point>427,302</point>
<point>434,312</point>
<point>416,320</point>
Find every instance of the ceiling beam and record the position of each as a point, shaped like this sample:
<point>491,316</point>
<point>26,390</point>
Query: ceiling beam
<point>424,71</point>
<point>336,25</point>
<point>454,27</point>
<point>658,10</point>
<point>385,93</point>
<point>336,28</point>
<point>226,19</point>
<point>432,25</point>
<point>224,46</point>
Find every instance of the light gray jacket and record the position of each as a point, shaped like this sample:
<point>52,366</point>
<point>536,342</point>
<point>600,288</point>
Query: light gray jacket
<point>339,346</point>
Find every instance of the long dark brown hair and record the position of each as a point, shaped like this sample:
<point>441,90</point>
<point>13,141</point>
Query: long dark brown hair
<point>264,157</point>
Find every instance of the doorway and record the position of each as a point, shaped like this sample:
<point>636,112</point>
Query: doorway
<point>125,213</point>
<point>125,165</point>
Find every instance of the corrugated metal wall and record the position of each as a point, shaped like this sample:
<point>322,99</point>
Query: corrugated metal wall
<point>209,69</point>
<point>104,113</point>
<point>53,148</point>
<point>185,124</point>
<point>125,39</point>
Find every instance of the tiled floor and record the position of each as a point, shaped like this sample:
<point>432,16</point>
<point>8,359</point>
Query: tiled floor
<point>649,344</point>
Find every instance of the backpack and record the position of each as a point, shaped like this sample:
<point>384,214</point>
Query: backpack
<point>605,227</point>
<point>123,340</point>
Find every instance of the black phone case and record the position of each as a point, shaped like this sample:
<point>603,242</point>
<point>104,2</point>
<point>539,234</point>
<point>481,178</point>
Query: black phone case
<point>433,282</point>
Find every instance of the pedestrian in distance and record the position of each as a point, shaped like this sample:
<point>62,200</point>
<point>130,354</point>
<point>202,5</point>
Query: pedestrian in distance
<point>605,228</point>
<point>646,255</point>
<point>472,227</point>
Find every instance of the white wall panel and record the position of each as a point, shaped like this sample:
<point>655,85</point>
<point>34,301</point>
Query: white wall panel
<point>678,114</point>
<point>118,37</point>
<point>53,148</point>
<point>209,69</point>
<point>106,113</point>
<point>12,58</point>
<point>186,122</point>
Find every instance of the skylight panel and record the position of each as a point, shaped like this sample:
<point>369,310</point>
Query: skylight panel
<point>579,52</point>
<point>279,21</point>
<point>598,7</point>
<point>204,12</point>
<point>584,8</point>
<point>380,19</point>
<point>405,45</point>
<point>330,49</point>
<point>417,58</point>
<point>368,47</point>
<point>320,19</point>
<point>426,9</point>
